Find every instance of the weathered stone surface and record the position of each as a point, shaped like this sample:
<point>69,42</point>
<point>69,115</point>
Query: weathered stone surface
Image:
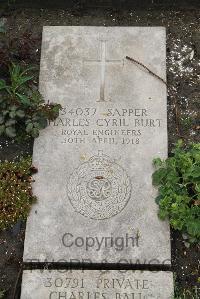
<point>95,196</point>
<point>95,284</point>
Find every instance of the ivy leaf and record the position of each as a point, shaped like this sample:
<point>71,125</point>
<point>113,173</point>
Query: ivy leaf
<point>5,112</point>
<point>29,127</point>
<point>42,123</point>
<point>10,132</point>
<point>12,114</point>
<point>1,119</point>
<point>13,108</point>
<point>35,132</point>
<point>20,113</point>
<point>10,122</point>
<point>2,129</point>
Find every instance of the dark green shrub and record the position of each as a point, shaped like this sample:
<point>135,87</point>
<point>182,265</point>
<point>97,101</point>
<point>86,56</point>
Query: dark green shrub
<point>23,112</point>
<point>15,191</point>
<point>178,179</point>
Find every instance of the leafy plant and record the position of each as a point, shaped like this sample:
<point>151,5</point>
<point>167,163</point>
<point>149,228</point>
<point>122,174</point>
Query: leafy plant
<point>2,293</point>
<point>178,179</point>
<point>2,26</point>
<point>192,293</point>
<point>23,112</point>
<point>15,191</point>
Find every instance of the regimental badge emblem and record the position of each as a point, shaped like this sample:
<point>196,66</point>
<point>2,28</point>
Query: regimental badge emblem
<point>99,188</point>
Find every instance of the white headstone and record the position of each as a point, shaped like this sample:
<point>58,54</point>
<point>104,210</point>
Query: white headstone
<point>96,202</point>
<point>96,284</point>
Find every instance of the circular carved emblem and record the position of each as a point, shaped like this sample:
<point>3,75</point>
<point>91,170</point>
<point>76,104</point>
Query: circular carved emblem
<point>99,188</point>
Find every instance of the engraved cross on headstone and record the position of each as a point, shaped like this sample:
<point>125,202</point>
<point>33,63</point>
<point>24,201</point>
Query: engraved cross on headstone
<point>103,62</point>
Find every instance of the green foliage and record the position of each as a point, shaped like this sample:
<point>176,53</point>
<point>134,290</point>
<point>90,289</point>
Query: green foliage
<point>2,293</point>
<point>23,112</point>
<point>15,191</point>
<point>178,179</point>
<point>192,293</point>
<point>2,30</point>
